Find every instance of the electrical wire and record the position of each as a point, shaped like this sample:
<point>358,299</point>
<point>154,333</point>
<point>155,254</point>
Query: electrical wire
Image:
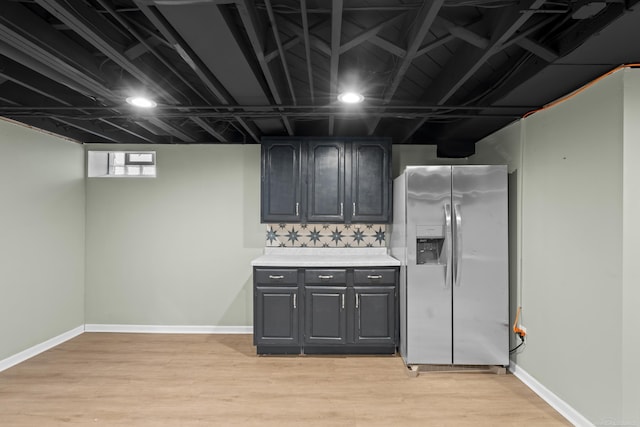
<point>518,346</point>
<point>520,332</point>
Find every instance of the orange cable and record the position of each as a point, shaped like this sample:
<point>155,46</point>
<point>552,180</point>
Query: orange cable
<point>577,91</point>
<point>516,329</point>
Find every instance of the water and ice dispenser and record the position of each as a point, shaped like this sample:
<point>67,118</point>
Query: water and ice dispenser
<point>429,244</point>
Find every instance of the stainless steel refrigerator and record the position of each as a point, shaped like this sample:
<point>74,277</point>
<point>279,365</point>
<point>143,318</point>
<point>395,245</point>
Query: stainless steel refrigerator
<point>450,233</point>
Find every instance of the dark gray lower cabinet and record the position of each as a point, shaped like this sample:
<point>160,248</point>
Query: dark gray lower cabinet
<point>375,314</point>
<point>325,319</point>
<point>275,309</point>
<point>325,310</point>
<point>277,315</point>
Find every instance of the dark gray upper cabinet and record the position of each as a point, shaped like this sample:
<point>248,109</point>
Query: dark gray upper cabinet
<point>326,180</point>
<point>281,186</point>
<point>370,181</point>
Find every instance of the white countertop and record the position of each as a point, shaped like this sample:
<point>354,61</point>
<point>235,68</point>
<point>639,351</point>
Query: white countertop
<point>325,257</point>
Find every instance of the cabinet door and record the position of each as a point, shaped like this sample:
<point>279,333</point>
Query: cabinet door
<point>281,184</point>
<point>276,315</point>
<point>370,181</point>
<point>375,314</point>
<point>325,181</point>
<point>325,315</point>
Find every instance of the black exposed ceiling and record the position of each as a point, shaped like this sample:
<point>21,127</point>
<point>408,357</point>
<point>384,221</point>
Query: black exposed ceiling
<point>445,72</point>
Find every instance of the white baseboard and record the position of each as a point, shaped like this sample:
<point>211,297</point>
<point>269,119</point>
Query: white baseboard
<point>144,329</point>
<point>168,329</point>
<point>39,348</point>
<point>566,410</point>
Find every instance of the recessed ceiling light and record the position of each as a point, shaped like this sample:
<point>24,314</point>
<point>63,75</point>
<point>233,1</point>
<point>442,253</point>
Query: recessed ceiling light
<point>350,98</point>
<point>139,101</point>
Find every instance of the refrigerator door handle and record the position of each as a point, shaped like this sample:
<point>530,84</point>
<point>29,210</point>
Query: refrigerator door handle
<point>447,222</point>
<point>458,244</point>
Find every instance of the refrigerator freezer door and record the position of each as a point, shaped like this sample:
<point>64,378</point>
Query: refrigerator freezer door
<point>480,272</point>
<point>428,330</point>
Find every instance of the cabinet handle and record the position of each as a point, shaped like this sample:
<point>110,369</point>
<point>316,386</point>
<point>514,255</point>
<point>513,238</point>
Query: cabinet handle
<point>275,277</point>
<point>295,305</point>
<point>297,209</point>
<point>341,209</point>
<point>357,300</point>
<point>330,276</point>
<point>374,276</point>
<point>354,209</point>
<point>342,301</point>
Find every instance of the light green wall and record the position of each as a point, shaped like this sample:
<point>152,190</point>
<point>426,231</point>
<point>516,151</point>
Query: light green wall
<point>176,249</point>
<point>572,252</point>
<point>501,147</point>
<point>42,237</point>
<point>631,252</point>
<point>578,246</point>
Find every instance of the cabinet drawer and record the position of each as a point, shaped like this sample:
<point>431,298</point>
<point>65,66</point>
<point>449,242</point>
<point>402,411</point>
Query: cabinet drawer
<point>277,276</point>
<point>374,276</point>
<point>320,276</point>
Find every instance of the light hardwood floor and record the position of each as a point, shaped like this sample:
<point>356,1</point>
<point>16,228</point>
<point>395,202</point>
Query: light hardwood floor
<point>217,380</point>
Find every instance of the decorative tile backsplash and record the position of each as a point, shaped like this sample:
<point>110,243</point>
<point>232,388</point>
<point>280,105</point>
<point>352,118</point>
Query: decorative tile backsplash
<point>326,235</point>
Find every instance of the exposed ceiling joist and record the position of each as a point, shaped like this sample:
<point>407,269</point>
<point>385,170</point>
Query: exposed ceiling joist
<point>89,24</point>
<point>388,46</point>
<point>21,39</point>
<point>463,66</point>
<point>520,70</point>
<point>151,49</point>
<point>209,129</point>
<point>293,41</point>
<point>283,58</point>
<point>248,14</point>
<point>87,127</point>
<point>314,41</point>
<point>422,23</point>
<point>185,52</point>
<point>435,44</point>
<point>237,70</point>
<point>469,37</point>
<point>99,32</point>
<point>537,49</point>
<point>336,32</point>
<point>135,133</point>
<point>141,47</point>
<point>195,63</point>
<point>421,26</point>
<point>35,83</point>
<point>307,48</point>
<point>172,130</point>
<point>368,34</point>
